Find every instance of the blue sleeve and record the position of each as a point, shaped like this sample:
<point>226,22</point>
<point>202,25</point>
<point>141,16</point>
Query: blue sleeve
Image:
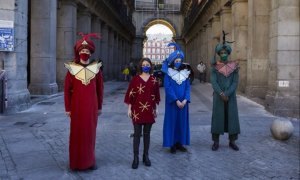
<point>234,83</point>
<point>187,91</point>
<point>170,94</point>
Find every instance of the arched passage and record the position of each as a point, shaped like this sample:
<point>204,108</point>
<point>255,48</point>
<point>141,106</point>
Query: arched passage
<point>159,34</point>
<point>160,21</point>
<point>155,45</point>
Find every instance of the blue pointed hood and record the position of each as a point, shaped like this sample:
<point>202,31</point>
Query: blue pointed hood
<point>177,54</point>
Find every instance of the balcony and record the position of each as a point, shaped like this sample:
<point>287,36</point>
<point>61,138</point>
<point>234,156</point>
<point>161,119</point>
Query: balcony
<point>141,5</point>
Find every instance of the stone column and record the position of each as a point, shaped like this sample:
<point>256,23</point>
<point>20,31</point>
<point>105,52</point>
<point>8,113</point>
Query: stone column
<point>203,46</point>
<point>210,50</point>
<point>123,59</point>
<point>198,48</point>
<point>239,35</point>
<point>126,51</point>
<point>119,61</point>
<point>15,63</point>
<point>226,25</point>
<point>116,52</point>
<point>110,54</point>
<point>258,48</point>
<point>215,30</point>
<point>66,36</point>
<point>283,81</point>
<point>43,47</point>
<point>96,28</point>
<point>137,48</point>
<point>188,54</point>
<point>104,49</point>
<point>84,21</point>
<point>193,60</point>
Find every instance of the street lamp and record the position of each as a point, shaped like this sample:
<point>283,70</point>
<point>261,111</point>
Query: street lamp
<point>161,4</point>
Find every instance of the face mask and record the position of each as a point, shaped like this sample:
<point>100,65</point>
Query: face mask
<point>146,69</point>
<point>177,65</point>
<point>224,57</point>
<point>84,56</point>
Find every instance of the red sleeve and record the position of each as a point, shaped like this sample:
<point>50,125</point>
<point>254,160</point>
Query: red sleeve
<point>100,88</point>
<point>157,94</point>
<point>131,93</point>
<point>68,90</point>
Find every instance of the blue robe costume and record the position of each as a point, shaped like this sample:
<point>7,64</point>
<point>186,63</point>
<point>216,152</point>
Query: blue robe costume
<point>177,87</point>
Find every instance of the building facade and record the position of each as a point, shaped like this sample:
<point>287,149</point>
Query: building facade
<point>156,47</point>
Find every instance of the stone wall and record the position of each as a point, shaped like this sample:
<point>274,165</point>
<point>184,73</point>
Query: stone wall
<point>15,62</point>
<point>283,79</point>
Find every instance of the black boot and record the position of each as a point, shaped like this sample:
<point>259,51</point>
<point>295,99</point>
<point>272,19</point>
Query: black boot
<point>233,145</point>
<point>136,144</point>
<point>180,147</point>
<point>173,149</point>
<point>146,136</point>
<point>146,160</point>
<point>215,146</point>
<point>135,163</point>
<point>94,167</point>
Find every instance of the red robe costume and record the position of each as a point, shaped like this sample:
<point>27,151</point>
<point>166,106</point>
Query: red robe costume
<point>143,97</point>
<point>83,98</point>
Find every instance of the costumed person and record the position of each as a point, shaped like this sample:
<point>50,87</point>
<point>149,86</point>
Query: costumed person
<point>142,97</point>
<point>176,130</point>
<point>224,80</point>
<point>83,94</point>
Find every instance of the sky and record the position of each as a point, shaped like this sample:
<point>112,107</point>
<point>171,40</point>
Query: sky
<point>159,29</point>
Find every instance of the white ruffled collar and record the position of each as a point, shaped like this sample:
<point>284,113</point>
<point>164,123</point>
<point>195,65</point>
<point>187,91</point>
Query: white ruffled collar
<point>178,76</point>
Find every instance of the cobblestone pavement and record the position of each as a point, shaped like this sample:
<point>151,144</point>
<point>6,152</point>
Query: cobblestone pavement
<point>34,144</point>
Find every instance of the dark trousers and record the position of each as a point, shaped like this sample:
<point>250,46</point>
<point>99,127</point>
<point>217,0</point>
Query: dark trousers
<point>137,137</point>
<point>232,137</point>
<point>202,77</point>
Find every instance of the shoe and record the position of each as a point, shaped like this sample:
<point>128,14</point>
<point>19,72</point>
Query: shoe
<point>233,146</point>
<point>135,163</point>
<point>173,149</point>
<point>180,147</point>
<point>94,167</point>
<point>215,146</point>
<point>146,160</point>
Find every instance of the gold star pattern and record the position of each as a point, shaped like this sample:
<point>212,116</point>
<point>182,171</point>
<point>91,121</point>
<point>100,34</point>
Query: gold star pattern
<point>153,97</point>
<point>135,116</point>
<point>131,93</point>
<point>154,81</point>
<point>141,89</point>
<point>144,106</point>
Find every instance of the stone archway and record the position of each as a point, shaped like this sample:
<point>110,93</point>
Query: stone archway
<point>159,21</point>
<point>155,45</point>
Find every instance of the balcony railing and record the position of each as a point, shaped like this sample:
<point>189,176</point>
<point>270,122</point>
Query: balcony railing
<point>154,6</point>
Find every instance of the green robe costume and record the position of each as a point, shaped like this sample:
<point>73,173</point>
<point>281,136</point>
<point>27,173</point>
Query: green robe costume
<point>224,78</point>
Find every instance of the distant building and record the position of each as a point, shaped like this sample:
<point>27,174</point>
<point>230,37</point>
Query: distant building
<point>156,47</point>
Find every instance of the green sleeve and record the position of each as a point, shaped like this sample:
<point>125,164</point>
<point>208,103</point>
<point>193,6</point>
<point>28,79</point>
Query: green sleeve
<point>234,83</point>
<point>213,80</point>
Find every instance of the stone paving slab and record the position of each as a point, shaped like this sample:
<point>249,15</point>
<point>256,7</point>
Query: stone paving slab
<point>34,144</point>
